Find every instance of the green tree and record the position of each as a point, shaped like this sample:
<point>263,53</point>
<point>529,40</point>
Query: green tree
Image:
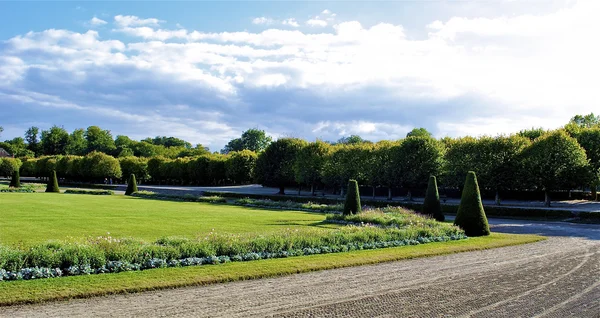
<point>8,166</point>
<point>309,164</point>
<point>352,139</point>
<point>419,132</point>
<point>135,165</point>
<point>431,205</point>
<point>252,139</point>
<point>556,161</point>
<point>131,185</point>
<point>275,165</point>
<point>345,162</point>
<point>54,141</point>
<point>239,166</point>
<point>15,182</point>
<point>376,165</point>
<point>586,121</point>
<point>589,139</point>
<point>532,133</point>
<point>77,144</point>
<point>17,147</point>
<point>352,203</point>
<point>471,216</point>
<point>504,163</point>
<point>33,143</point>
<point>53,183</point>
<point>419,158</point>
<point>99,140</point>
<point>98,165</point>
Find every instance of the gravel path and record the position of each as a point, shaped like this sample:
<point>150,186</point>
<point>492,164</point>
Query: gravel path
<point>559,277</point>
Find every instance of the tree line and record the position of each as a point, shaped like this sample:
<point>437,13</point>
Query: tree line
<point>534,159</point>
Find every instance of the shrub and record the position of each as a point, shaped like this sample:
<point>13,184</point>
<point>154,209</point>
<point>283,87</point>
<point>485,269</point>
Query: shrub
<point>352,204</point>
<point>131,185</point>
<point>15,182</point>
<point>432,205</point>
<point>471,216</point>
<point>53,183</point>
<point>93,192</point>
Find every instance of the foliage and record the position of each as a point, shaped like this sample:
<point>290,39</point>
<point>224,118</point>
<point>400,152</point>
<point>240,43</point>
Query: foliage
<point>15,181</point>
<point>131,185</point>
<point>310,162</point>
<point>77,144</point>
<point>33,143</point>
<point>352,204</point>
<point>471,216</point>
<point>53,183</point>
<point>290,205</point>
<point>556,161</point>
<point>239,166</point>
<point>8,166</point>
<point>99,140</point>
<point>274,166</point>
<point>418,158</point>
<point>135,165</point>
<point>351,140</point>
<point>98,166</point>
<point>431,205</point>
<point>533,133</point>
<point>252,139</point>
<point>419,132</point>
<point>394,217</point>
<point>55,141</point>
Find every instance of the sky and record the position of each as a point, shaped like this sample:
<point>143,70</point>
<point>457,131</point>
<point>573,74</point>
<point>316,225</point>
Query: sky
<point>207,71</point>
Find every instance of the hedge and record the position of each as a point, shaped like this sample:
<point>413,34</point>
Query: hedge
<point>93,192</point>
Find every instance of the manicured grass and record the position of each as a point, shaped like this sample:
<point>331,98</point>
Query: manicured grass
<point>19,292</point>
<point>29,218</point>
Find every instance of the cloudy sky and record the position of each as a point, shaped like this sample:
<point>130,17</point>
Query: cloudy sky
<point>206,71</point>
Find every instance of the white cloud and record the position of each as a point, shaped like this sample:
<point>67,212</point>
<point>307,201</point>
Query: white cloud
<point>131,20</point>
<point>262,20</point>
<point>325,12</point>
<point>316,22</point>
<point>97,22</point>
<point>290,22</point>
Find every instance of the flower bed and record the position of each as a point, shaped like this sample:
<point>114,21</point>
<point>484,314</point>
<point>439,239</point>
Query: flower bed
<point>109,255</point>
<point>92,192</point>
<point>385,217</point>
<point>290,205</point>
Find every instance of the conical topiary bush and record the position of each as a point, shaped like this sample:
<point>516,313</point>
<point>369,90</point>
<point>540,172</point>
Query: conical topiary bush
<point>471,216</point>
<point>15,182</point>
<point>53,183</point>
<point>432,205</point>
<point>131,185</point>
<point>352,204</point>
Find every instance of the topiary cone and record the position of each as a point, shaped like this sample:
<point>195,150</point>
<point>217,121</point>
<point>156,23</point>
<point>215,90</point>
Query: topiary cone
<point>53,183</point>
<point>15,182</point>
<point>131,185</point>
<point>432,205</point>
<point>352,204</point>
<point>471,216</point>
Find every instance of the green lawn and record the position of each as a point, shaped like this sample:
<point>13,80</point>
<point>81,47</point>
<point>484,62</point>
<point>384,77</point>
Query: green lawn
<point>29,218</point>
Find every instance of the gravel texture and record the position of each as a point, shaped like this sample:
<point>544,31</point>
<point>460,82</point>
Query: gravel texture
<point>559,277</point>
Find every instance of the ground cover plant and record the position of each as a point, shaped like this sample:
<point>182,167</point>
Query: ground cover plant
<point>290,205</point>
<point>396,217</point>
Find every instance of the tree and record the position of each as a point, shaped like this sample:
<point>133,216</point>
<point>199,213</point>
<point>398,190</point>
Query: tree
<point>33,143</point>
<point>352,139</point>
<point>239,166</point>
<point>99,140</point>
<point>252,139</point>
<point>376,166</point>
<point>77,145</point>
<point>586,121</point>
<point>134,165</point>
<point>419,132</point>
<point>131,185</point>
<point>345,162</point>
<point>556,161</point>
<point>98,165</point>
<point>532,133</point>
<point>8,166</point>
<point>471,216</point>
<point>17,147</point>
<point>431,205</point>
<point>505,163</point>
<point>418,158</point>
<point>589,139</point>
<point>309,164</point>
<point>352,204</point>
<point>54,141</point>
<point>15,182</point>
<point>275,165</point>
<point>53,183</point>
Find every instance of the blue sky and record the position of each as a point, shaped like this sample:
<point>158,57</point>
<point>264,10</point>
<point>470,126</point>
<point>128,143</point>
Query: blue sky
<point>206,71</point>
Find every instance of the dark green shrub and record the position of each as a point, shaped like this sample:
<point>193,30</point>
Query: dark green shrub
<point>352,204</point>
<point>131,185</point>
<point>432,205</point>
<point>92,192</point>
<point>15,182</point>
<point>53,183</point>
<point>471,216</point>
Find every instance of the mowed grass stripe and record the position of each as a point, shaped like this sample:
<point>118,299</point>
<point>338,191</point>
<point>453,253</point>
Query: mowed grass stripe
<point>29,218</point>
<point>20,292</point>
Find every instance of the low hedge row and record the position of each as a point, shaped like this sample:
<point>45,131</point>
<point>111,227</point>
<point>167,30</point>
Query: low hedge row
<point>92,192</point>
<point>498,211</point>
<point>172,197</point>
<point>17,190</point>
<point>290,205</point>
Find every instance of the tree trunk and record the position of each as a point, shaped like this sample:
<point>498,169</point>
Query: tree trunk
<point>341,191</point>
<point>409,195</point>
<point>281,190</point>
<point>312,189</point>
<point>373,192</point>
<point>389,193</point>
<point>547,198</point>
<point>497,197</point>
<point>594,192</point>
<point>299,189</point>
